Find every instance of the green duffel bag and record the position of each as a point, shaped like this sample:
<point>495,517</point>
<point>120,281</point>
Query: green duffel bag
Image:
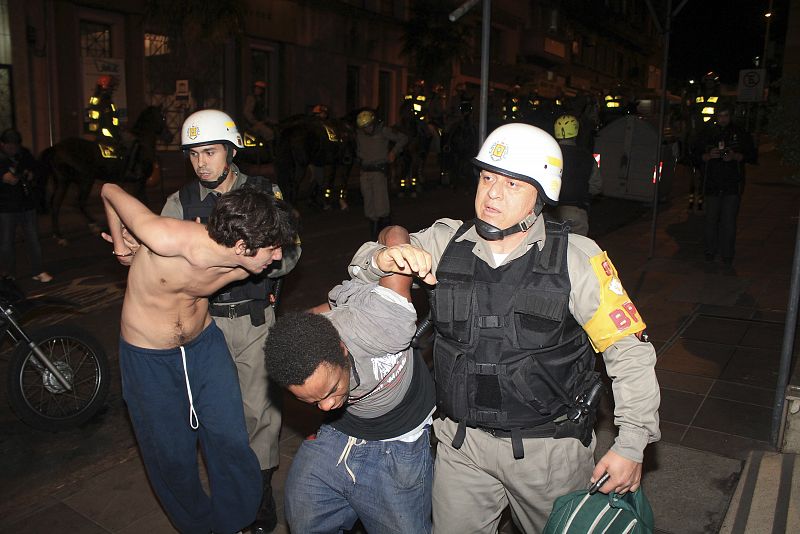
<point>581,513</point>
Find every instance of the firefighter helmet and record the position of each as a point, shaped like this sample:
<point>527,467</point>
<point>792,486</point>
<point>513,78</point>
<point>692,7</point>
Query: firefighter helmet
<point>209,127</point>
<point>260,83</point>
<point>104,81</point>
<point>524,152</point>
<point>365,118</point>
<point>566,127</point>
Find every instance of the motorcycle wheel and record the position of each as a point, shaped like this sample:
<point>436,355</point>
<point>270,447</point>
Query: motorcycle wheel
<point>39,399</point>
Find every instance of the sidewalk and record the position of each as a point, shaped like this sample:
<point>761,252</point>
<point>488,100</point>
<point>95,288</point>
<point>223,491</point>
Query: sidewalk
<point>717,332</point>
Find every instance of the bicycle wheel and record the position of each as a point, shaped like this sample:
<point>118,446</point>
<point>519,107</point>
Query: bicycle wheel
<point>38,398</point>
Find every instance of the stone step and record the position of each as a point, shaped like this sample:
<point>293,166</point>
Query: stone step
<point>767,498</point>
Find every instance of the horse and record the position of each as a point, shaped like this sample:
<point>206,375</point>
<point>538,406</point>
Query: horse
<point>459,145</point>
<point>328,145</point>
<point>78,161</point>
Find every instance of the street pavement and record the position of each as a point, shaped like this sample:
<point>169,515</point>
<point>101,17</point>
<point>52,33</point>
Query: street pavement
<point>717,331</point>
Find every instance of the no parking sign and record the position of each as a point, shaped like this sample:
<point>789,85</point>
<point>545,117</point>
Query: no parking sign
<point>751,85</point>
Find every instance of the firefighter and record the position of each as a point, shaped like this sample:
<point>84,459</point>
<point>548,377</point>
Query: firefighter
<point>324,178</point>
<point>414,116</point>
<point>513,105</point>
<point>707,99</point>
<point>320,111</point>
<point>437,119</point>
<point>704,108</point>
<point>102,121</point>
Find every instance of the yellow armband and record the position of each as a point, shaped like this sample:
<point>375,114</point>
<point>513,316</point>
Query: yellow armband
<point>616,316</point>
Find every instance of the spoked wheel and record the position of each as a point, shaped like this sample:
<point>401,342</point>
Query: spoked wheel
<point>37,396</point>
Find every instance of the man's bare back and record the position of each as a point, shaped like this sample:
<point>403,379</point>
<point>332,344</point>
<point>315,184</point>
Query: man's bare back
<point>176,267</point>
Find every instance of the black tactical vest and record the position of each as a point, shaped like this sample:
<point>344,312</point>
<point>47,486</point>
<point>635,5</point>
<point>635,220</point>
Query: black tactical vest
<point>509,357</point>
<point>255,287</point>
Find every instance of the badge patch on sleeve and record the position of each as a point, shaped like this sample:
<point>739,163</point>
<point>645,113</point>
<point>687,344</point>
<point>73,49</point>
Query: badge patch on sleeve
<point>616,316</point>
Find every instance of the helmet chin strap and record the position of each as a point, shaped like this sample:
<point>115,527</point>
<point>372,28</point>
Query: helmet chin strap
<point>492,233</point>
<point>216,183</point>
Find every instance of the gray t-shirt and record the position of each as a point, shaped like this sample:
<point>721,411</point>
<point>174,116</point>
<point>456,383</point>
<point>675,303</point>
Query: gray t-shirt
<point>376,325</point>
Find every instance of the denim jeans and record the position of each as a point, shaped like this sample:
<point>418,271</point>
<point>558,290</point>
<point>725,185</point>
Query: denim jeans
<point>720,225</point>
<point>389,489</point>
<point>8,232</point>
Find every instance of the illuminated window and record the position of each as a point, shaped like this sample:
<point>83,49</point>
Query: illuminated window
<point>156,45</point>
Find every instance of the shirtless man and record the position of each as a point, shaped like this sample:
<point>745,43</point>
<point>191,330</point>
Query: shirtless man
<point>178,379</point>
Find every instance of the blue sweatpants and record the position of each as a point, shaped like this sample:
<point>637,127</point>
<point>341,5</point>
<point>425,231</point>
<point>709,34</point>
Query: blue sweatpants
<point>154,386</point>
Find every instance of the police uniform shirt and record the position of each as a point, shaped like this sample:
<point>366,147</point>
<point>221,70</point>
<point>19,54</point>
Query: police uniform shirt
<point>374,149</point>
<point>597,301</point>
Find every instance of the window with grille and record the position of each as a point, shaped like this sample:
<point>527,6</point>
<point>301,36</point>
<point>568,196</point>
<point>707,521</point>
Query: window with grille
<point>95,39</point>
<point>156,45</point>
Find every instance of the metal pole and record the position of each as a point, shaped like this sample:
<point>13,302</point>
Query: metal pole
<point>789,328</point>
<point>487,24</point>
<point>660,136</point>
<point>486,27</point>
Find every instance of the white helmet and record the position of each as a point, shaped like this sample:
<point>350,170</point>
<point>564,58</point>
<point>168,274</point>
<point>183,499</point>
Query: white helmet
<point>209,127</point>
<point>525,152</point>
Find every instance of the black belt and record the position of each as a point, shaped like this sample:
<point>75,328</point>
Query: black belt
<point>546,430</point>
<point>240,309</point>
<point>375,167</point>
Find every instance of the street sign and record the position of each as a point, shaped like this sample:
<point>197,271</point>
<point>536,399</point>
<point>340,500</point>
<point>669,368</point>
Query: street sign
<point>752,83</point>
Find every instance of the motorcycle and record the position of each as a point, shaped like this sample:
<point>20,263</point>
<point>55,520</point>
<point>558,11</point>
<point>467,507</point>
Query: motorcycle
<point>58,375</point>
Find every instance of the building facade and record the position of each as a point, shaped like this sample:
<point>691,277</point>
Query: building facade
<point>345,54</point>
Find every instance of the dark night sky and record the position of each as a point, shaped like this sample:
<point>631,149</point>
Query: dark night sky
<point>720,35</point>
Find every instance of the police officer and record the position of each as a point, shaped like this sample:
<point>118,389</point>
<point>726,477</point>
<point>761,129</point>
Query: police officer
<point>520,310</point>
<point>102,121</point>
<point>581,179</point>
<point>242,311</point>
<point>377,148</point>
<point>255,112</point>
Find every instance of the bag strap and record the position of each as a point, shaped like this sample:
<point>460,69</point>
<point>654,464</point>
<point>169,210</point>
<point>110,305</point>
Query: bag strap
<point>630,502</point>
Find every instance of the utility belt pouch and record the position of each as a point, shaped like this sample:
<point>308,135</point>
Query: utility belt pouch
<point>580,429</point>
<point>257,308</point>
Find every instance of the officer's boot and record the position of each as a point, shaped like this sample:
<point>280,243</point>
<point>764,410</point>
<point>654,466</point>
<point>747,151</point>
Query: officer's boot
<point>267,515</point>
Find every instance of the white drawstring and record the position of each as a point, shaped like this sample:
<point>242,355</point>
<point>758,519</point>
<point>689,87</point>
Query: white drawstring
<point>193,422</point>
<point>346,452</point>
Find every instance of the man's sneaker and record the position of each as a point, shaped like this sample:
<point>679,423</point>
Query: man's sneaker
<point>43,277</point>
